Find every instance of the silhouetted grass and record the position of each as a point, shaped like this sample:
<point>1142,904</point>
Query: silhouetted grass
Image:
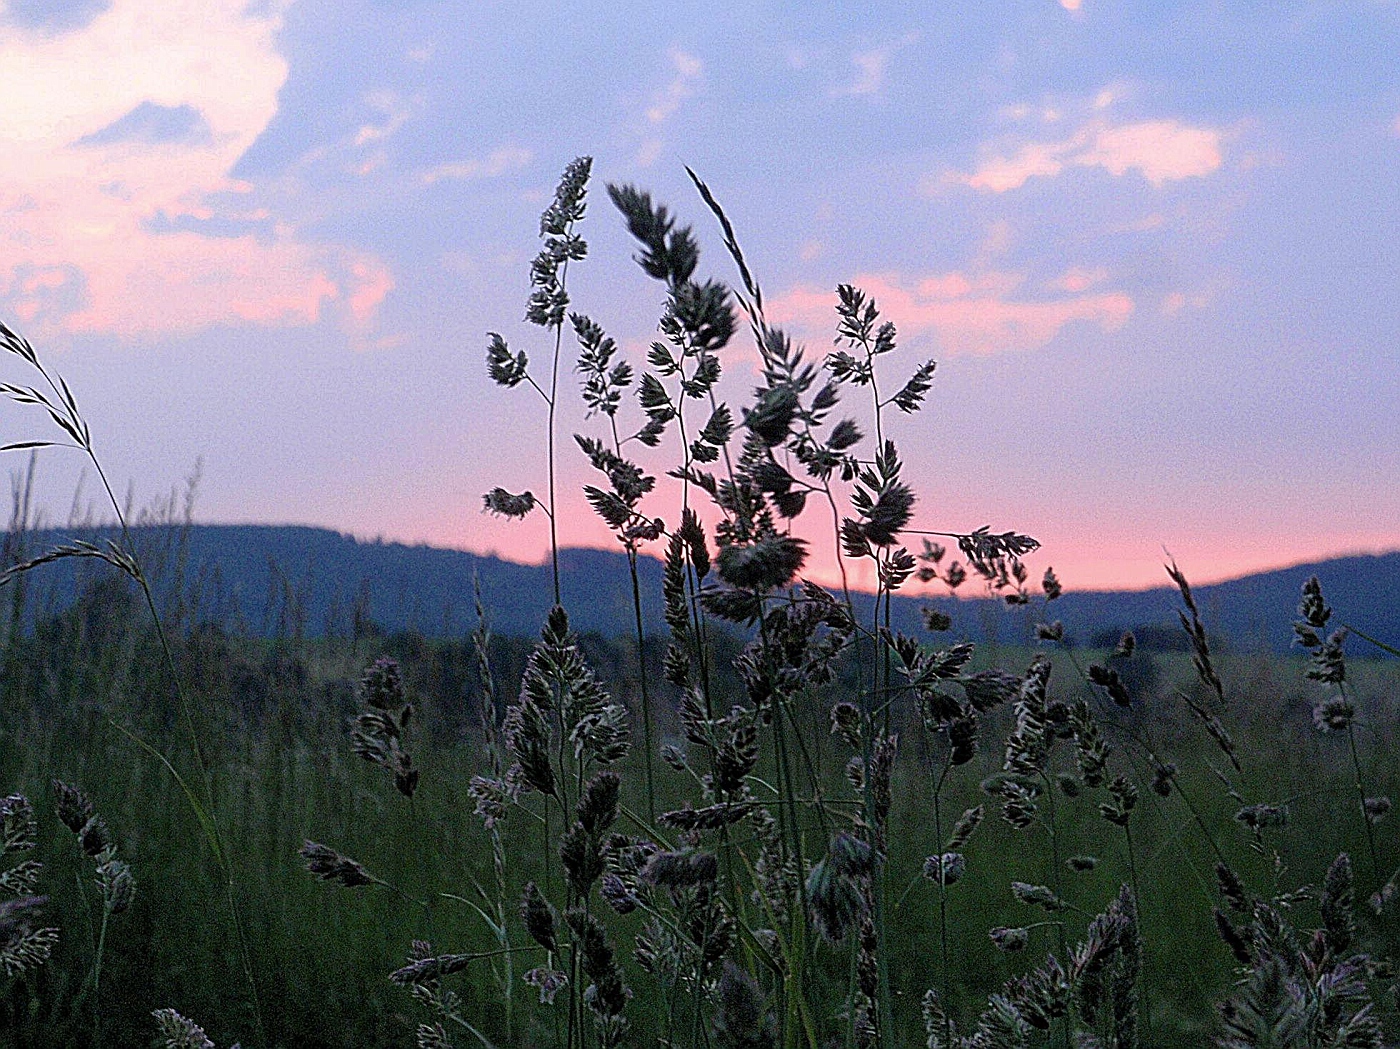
<point>786,823</point>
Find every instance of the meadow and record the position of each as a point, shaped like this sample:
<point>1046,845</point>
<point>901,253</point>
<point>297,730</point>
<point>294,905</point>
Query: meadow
<point>780,824</point>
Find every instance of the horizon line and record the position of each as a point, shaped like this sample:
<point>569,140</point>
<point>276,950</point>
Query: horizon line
<point>544,561</point>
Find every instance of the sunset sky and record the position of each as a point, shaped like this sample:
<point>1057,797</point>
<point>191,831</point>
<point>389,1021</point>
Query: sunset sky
<point>1155,249</point>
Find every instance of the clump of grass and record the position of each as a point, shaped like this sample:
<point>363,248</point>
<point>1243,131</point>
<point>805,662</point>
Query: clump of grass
<point>1299,989</point>
<point>751,581</point>
<point>25,944</point>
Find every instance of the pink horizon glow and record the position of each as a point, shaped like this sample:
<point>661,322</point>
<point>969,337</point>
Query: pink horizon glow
<point>1119,566</point>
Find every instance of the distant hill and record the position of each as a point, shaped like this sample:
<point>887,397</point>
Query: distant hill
<point>270,579</point>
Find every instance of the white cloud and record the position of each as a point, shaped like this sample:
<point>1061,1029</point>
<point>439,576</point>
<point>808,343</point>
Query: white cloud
<point>650,152</point>
<point>872,66</point>
<point>797,57</point>
<point>394,112</point>
<point>118,235</point>
<point>688,71</point>
<point>494,164</point>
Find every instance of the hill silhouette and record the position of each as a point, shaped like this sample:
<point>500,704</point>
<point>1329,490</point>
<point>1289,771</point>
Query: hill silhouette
<point>270,579</point>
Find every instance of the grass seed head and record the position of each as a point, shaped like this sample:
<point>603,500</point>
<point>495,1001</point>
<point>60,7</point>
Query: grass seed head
<point>539,917</point>
<point>180,1033</point>
<point>742,1019</point>
<point>18,827</point>
<point>329,865</point>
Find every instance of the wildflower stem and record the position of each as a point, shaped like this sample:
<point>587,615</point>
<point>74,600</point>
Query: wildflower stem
<point>692,584</point>
<point>642,676</point>
<point>486,1043</point>
<point>884,1007</point>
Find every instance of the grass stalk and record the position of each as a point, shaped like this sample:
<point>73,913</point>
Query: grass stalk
<point>945,969</point>
<point>1361,792</point>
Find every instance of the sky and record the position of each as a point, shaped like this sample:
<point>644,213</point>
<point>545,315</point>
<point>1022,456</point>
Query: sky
<point>1152,246</point>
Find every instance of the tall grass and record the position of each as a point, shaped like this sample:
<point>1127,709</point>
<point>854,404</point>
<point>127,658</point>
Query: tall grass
<point>53,397</point>
<point>790,846</point>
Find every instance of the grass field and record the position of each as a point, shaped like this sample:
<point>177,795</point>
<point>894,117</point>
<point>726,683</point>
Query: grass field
<point>788,825</point>
<point>277,713</point>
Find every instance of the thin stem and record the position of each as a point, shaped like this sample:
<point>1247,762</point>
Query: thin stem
<point>642,674</point>
<point>1137,903</point>
<point>485,1042</point>
<point>641,649</point>
<point>787,815</point>
<point>1056,882</point>
<point>97,977</point>
<point>943,904</point>
<point>1151,751</point>
<point>1361,793</point>
<point>553,401</point>
<point>875,392</point>
<point>1371,640</point>
<point>817,799</point>
<point>884,1007</point>
<point>692,584</point>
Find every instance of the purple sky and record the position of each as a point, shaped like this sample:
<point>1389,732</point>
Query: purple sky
<point>1153,248</point>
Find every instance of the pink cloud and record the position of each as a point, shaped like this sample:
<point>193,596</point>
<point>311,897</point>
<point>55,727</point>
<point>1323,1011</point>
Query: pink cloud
<point>976,314</point>
<point>101,212</point>
<point>1078,279</point>
<point>1161,150</point>
<point>374,282</point>
<point>190,283</point>
<point>1158,150</point>
<point>1002,173</point>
